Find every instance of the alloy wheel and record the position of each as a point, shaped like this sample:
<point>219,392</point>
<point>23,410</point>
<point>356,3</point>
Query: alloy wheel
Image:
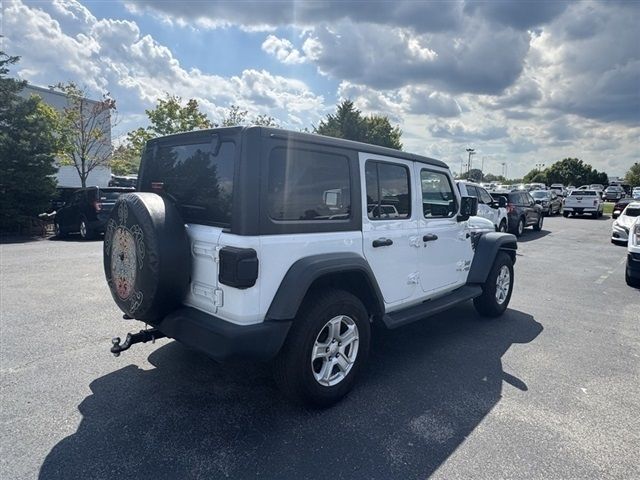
<point>503,284</point>
<point>335,350</point>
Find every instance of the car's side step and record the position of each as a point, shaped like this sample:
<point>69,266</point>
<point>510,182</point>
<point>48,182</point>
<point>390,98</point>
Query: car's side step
<point>431,307</point>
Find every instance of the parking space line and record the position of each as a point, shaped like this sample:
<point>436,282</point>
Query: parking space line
<point>603,277</point>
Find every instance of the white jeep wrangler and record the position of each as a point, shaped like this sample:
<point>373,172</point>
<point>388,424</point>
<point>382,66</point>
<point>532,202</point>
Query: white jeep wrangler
<point>263,243</point>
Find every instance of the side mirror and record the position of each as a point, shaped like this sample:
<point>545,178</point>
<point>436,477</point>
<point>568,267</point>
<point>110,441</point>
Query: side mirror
<point>502,202</point>
<point>468,208</point>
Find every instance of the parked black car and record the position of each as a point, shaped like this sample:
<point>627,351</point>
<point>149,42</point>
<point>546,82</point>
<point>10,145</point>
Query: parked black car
<point>614,193</point>
<point>620,206</point>
<point>87,211</point>
<point>522,211</point>
<point>550,202</point>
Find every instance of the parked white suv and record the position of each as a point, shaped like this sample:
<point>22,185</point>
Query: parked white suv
<point>263,243</point>
<point>493,210</point>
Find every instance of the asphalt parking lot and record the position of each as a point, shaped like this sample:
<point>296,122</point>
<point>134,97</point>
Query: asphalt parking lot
<point>550,390</point>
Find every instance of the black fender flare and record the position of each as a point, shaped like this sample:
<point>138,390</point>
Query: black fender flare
<point>304,272</point>
<point>485,253</point>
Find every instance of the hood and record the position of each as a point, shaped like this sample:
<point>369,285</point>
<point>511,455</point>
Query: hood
<point>479,224</point>
<point>625,221</point>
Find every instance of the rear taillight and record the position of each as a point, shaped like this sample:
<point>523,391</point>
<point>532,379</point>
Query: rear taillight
<point>511,208</point>
<point>97,206</point>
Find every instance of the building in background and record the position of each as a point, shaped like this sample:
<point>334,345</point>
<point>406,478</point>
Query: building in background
<point>67,175</point>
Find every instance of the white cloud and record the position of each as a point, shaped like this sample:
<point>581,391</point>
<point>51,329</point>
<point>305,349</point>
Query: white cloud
<point>283,50</point>
<point>112,55</point>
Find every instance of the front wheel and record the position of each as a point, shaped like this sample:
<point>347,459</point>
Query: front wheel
<point>85,232</point>
<point>503,226</point>
<point>326,348</point>
<point>496,291</point>
<point>631,281</point>
<point>565,214</point>
<point>58,230</point>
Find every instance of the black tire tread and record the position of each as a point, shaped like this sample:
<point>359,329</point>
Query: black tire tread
<point>486,304</point>
<point>286,364</point>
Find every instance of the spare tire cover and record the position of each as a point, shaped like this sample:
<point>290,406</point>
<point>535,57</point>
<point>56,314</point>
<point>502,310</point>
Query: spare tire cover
<point>146,256</point>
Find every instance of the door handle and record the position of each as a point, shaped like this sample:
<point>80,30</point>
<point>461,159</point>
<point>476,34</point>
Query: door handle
<point>430,237</point>
<point>382,242</point>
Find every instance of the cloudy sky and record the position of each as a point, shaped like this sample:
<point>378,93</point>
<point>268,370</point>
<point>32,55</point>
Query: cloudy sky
<point>522,82</point>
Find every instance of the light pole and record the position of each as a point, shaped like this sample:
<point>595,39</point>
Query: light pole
<point>504,170</point>
<point>539,166</point>
<point>470,151</point>
<point>482,170</point>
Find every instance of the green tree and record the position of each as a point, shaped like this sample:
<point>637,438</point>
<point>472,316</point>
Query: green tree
<point>348,122</point>
<point>84,128</point>
<point>633,175</point>
<point>170,116</point>
<point>474,175</point>
<point>28,144</point>
<point>573,171</point>
<point>536,176</point>
<point>490,177</point>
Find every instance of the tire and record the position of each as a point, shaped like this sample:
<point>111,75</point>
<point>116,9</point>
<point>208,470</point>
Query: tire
<point>503,226</point>
<point>58,231</point>
<point>85,232</point>
<point>550,213</point>
<point>488,304</point>
<point>632,282</point>
<point>595,214</point>
<point>294,370</point>
<point>538,226</point>
<point>146,256</point>
<point>520,227</point>
<point>565,214</point>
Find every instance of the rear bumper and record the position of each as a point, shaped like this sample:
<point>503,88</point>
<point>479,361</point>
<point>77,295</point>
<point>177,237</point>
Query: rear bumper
<point>223,340</point>
<point>581,209</point>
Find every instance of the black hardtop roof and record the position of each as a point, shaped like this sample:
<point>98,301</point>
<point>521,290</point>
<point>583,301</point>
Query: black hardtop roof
<point>310,138</point>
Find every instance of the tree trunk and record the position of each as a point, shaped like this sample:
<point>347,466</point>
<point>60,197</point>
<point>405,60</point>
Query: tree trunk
<point>83,174</point>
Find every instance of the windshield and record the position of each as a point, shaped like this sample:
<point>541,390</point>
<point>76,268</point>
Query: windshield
<point>538,194</point>
<point>632,211</point>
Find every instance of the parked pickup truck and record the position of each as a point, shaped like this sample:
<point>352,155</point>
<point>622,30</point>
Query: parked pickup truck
<point>580,202</point>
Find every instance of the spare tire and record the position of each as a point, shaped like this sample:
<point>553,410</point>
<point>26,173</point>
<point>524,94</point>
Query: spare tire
<point>146,256</point>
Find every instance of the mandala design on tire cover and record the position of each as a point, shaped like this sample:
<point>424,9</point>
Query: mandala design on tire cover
<point>123,262</point>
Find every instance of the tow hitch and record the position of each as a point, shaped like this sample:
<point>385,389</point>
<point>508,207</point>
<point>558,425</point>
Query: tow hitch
<point>143,336</point>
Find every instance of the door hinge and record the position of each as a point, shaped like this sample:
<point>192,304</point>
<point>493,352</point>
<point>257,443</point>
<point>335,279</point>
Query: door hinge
<point>413,279</point>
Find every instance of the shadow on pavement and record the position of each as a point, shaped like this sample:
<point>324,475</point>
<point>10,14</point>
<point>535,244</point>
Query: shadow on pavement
<point>530,235</point>
<point>427,387</point>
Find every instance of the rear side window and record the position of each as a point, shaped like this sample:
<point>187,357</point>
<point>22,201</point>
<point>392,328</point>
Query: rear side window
<point>388,192</point>
<point>308,185</point>
<point>197,177</point>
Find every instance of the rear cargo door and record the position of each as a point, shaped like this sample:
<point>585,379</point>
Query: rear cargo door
<point>196,171</point>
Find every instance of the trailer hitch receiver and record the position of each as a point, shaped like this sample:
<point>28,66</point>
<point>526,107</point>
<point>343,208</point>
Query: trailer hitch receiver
<point>142,336</point>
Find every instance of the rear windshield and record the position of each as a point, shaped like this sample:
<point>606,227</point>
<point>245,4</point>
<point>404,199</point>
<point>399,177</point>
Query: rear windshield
<point>632,212</point>
<point>582,193</point>
<point>110,196</point>
<point>199,179</point>
<point>539,194</point>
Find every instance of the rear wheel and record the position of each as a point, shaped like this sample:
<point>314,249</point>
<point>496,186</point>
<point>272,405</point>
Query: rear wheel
<point>326,348</point>
<point>520,227</point>
<point>496,291</point>
<point>538,226</point>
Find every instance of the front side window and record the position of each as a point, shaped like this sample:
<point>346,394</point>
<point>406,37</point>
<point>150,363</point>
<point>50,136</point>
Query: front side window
<point>308,185</point>
<point>438,199</point>
<point>485,197</point>
<point>388,192</point>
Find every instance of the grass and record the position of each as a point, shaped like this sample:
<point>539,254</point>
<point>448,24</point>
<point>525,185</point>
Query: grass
<point>608,208</point>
